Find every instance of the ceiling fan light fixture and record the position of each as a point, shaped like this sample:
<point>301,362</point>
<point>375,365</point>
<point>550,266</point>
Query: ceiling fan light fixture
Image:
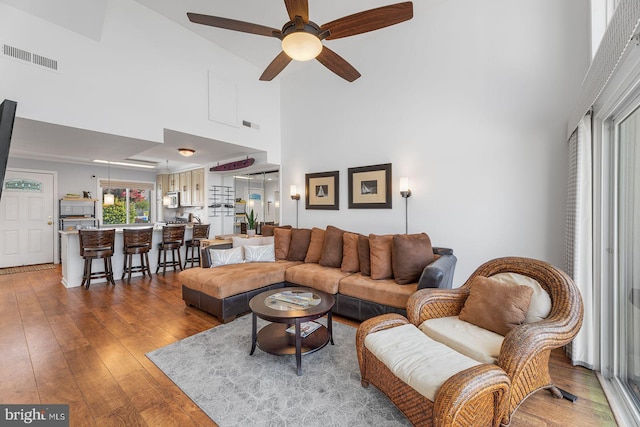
<point>301,45</point>
<point>187,152</point>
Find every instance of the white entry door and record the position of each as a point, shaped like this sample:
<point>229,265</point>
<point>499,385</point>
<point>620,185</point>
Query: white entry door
<point>26,219</point>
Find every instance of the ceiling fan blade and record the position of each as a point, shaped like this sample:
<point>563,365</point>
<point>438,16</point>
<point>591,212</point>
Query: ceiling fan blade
<point>277,65</point>
<point>337,64</point>
<point>369,20</point>
<point>298,8</point>
<point>231,24</point>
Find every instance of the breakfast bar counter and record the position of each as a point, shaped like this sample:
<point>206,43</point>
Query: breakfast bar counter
<point>73,264</point>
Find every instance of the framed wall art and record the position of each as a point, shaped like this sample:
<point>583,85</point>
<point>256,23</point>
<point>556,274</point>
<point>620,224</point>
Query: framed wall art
<point>370,187</point>
<point>322,190</point>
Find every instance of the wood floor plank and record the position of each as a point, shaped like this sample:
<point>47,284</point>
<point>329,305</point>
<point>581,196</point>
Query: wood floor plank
<point>88,348</point>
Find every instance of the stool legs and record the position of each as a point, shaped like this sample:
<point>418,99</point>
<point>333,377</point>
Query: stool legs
<point>130,268</point>
<point>87,274</point>
<point>173,263</point>
<point>190,257</point>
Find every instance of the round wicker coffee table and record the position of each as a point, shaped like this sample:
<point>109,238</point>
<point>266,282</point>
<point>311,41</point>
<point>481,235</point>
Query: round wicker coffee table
<point>289,310</point>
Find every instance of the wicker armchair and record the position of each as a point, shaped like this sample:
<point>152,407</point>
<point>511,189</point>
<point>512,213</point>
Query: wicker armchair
<point>526,349</point>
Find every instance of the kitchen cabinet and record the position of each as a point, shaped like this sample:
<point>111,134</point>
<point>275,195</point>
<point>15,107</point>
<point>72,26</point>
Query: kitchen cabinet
<point>173,183</point>
<point>185,188</point>
<point>197,187</point>
<point>162,185</point>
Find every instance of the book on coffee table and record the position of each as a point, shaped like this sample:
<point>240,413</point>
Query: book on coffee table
<point>306,328</point>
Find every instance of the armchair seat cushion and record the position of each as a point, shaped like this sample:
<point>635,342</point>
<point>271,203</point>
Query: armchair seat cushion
<point>416,359</point>
<point>471,340</point>
<point>384,291</point>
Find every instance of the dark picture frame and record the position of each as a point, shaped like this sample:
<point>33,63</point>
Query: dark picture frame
<point>370,187</point>
<point>322,190</point>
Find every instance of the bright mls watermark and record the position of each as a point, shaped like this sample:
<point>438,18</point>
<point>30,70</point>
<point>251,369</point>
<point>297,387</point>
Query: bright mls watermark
<point>36,415</point>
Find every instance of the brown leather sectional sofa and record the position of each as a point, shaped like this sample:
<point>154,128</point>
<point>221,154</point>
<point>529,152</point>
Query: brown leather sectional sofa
<point>369,275</point>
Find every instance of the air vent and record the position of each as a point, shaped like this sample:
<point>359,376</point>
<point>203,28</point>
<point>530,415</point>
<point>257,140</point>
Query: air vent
<point>14,52</point>
<point>32,58</point>
<point>45,62</point>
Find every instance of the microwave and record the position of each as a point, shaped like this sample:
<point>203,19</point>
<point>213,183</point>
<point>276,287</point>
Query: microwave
<point>171,199</point>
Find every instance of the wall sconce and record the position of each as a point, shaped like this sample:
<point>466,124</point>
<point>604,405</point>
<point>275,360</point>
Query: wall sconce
<point>405,192</point>
<point>293,192</point>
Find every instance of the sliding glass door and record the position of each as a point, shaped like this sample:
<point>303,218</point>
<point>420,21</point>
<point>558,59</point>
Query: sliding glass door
<point>628,268</point>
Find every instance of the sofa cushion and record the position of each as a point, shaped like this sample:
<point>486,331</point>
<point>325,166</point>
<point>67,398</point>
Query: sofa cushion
<point>332,248</point>
<point>410,254</point>
<point>229,280</point>
<point>226,256</point>
<point>267,230</point>
<point>364,255</point>
<point>416,359</point>
<point>263,253</point>
<point>380,256</point>
<point>386,292</point>
<point>300,239</point>
<point>471,340</point>
<point>350,259</point>
<point>282,242</point>
<point>540,305</point>
<point>496,306</point>
<point>315,246</point>
<point>316,276</point>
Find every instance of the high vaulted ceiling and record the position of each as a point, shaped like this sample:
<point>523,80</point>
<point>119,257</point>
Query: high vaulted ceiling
<point>63,143</point>
<point>260,50</point>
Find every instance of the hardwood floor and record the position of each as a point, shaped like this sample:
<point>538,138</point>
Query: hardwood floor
<point>87,348</point>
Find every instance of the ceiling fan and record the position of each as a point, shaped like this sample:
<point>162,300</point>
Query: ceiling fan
<point>302,38</point>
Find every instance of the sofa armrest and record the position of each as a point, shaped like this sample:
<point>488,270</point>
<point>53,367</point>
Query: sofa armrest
<point>439,274</point>
<point>442,251</point>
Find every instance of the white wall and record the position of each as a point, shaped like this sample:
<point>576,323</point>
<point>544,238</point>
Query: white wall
<point>470,101</point>
<point>76,178</point>
<point>144,74</point>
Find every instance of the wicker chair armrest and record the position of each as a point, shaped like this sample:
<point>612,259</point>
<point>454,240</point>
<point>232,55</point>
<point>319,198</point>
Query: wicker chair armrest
<point>525,342</point>
<point>433,303</point>
<point>369,326</point>
<point>486,387</point>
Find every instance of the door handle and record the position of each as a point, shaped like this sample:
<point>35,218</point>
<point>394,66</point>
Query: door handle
<point>49,222</point>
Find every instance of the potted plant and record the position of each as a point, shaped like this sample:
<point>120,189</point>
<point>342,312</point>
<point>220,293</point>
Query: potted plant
<point>251,223</point>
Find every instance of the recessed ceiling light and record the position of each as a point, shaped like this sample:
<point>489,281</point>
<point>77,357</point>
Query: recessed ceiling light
<point>135,165</point>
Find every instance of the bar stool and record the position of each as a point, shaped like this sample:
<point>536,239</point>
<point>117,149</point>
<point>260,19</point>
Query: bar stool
<point>97,244</point>
<point>137,241</point>
<point>172,240</point>
<point>200,231</point>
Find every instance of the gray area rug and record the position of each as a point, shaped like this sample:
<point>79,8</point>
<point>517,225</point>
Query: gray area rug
<point>234,389</point>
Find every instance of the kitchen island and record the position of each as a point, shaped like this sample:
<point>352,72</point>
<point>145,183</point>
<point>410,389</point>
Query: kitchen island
<point>73,263</point>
